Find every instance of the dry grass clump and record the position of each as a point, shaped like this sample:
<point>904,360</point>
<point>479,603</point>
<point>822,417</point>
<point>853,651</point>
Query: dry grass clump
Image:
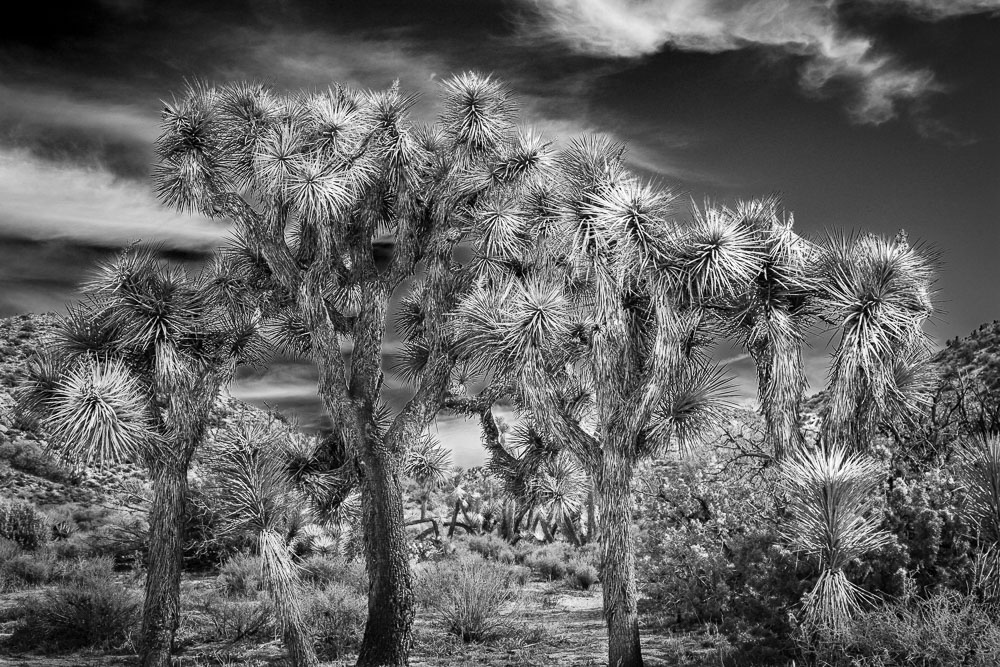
<point>469,597</point>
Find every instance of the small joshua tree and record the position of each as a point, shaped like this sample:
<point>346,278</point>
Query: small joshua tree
<point>260,497</point>
<point>428,463</point>
<point>132,374</point>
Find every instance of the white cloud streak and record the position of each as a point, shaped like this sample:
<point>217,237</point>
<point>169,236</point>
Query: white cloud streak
<point>43,200</point>
<point>804,28</point>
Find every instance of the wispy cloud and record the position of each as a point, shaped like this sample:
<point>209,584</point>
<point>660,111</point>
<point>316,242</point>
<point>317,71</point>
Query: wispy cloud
<point>45,200</point>
<point>808,29</point>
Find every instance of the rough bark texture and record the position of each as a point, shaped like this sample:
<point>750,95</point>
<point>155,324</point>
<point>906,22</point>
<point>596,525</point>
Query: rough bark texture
<point>161,609</point>
<point>614,483</point>
<point>388,635</point>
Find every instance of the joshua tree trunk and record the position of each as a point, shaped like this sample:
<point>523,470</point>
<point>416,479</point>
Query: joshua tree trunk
<point>388,634</point>
<point>591,513</point>
<point>161,609</point>
<point>614,488</point>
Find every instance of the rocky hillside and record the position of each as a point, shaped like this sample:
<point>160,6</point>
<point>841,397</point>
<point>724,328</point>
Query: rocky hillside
<point>27,470</point>
<point>975,356</point>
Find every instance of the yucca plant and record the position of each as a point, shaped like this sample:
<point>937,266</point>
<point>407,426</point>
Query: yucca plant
<point>981,469</point>
<point>131,374</point>
<point>259,497</point>
<point>829,502</point>
<point>428,463</point>
<point>340,203</point>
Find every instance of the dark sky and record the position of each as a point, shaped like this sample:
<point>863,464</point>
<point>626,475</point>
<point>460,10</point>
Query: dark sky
<point>865,114</point>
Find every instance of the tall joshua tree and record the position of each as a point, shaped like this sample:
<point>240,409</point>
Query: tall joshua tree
<point>340,203</point>
<point>592,311</point>
<point>131,374</point>
<point>594,307</point>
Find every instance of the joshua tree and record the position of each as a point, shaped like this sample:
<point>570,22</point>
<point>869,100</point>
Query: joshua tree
<point>260,497</point>
<point>131,374</point>
<point>340,203</point>
<point>597,332</point>
<point>428,464</point>
<point>594,307</point>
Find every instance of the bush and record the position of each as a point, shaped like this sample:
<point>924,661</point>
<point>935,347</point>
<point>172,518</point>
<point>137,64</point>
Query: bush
<point>30,457</point>
<point>550,560</point>
<point>21,522</point>
<point>240,577</point>
<point>470,597</point>
<point>85,614</point>
<point>336,616</point>
<point>708,552</point>
<point>488,546</point>
<point>942,630</point>
<point>236,619</point>
<point>322,571</point>
<point>583,575</point>
<point>26,571</point>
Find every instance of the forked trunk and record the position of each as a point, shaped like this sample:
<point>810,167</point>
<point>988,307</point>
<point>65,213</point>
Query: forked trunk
<point>388,633</point>
<point>614,486</point>
<point>161,609</point>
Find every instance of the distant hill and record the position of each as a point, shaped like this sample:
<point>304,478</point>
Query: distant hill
<point>975,356</point>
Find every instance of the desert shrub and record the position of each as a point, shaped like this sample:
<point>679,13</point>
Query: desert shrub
<point>31,457</point>
<point>488,546</point>
<point>26,571</point>
<point>336,616</point>
<point>233,619</point>
<point>240,577</point>
<point>87,570</point>
<point>9,549</point>
<point>323,571</point>
<point>931,535</point>
<point>941,630</point>
<point>23,523</point>
<point>83,614</point>
<point>550,560</point>
<point>583,575</point>
<point>124,538</point>
<point>469,597</point>
<point>708,552</point>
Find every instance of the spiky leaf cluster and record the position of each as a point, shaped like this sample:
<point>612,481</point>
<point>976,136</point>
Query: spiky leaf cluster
<point>127,367</point>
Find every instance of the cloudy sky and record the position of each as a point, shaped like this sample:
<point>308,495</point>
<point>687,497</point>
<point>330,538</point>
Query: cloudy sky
<point>863,114</point>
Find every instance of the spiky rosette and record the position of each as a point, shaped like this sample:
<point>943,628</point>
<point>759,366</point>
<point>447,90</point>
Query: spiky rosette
<point>478,110</point>
<point>428,463</point>
<point>97,414</point>
<point>830,501</point>
<point>981,469</point>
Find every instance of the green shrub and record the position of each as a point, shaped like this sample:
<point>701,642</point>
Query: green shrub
<point>86,614</point>
<point>488,546</point>
<point>469,597</point>
<point>9,549</point>
<point>21,522</point>
<point>708,552</point>
<point>240,577</point>
<point>322,571</point>
<point>30,456</point>
<point>233,619</point>
<point>583,575</point>
<point>942,630</point>
<point>26,571</point>
<point>336,616</point>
